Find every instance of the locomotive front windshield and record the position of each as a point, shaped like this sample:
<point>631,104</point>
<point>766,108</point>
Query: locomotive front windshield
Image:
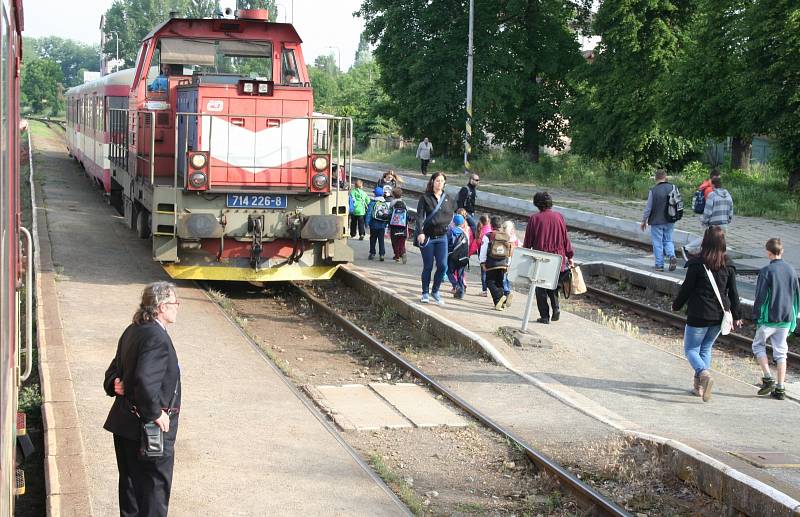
<point>249,59</point>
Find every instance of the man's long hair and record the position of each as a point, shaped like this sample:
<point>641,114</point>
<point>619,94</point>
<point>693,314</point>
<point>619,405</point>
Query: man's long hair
<point>153,295</point>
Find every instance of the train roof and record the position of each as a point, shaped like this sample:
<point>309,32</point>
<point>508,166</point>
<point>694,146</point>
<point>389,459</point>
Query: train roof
<point>187,23</point>
<point>119,78</point>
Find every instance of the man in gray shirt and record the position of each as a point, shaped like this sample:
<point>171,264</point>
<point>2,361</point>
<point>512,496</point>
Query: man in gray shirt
<point>424,154</point>
<point>655,215</point>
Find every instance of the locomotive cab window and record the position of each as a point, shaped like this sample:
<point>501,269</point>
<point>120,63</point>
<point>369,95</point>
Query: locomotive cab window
<point>289,74</point>
<point>195,57</point>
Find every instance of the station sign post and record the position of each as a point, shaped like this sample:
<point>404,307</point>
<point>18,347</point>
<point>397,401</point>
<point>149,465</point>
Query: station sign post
<point>533,269</point>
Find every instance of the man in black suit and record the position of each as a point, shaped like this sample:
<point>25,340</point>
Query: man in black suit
<point>144,378</point>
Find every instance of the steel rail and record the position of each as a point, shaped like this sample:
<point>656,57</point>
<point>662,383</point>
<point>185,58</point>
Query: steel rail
<point>678,321</point>
<point>591,500</point>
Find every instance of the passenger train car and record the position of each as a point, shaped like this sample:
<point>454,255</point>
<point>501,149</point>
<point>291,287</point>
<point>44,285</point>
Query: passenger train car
<point>12,275</point>
<point>211,146</point>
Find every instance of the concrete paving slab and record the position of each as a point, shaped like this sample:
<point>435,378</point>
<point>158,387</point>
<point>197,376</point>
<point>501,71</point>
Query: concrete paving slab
<point>357,407</point>
<point>418,405</point>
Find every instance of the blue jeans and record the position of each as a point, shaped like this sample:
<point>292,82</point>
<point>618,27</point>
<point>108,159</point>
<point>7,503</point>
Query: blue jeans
<point>434,249</point>
<point>457,279</point>
<point>376,237</point>
<point>697,343</point>
<point>661,234</point>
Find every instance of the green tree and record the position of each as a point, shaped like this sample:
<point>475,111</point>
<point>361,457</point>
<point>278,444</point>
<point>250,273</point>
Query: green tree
<point>706,95</point>
<point>616,108</point>
<point>73,57</point>
<point>40,85</point>
<point>363,52</point>
<point>773,52</point>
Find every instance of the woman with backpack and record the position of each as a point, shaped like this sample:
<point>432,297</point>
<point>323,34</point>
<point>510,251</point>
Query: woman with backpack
<point>707,304</point>
<point>547,231</point>
<point>434,213</point>
<point>377,219</point>
<point>398,225</point>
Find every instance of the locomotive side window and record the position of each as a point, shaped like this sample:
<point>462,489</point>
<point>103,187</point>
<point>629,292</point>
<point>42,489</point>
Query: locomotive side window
<point>289,75</point>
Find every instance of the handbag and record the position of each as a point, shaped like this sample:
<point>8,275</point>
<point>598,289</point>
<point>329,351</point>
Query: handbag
<point>578,284</point>
<point>727,316</point>
<point>565,281</point>
<point>428,219</point>
<point>151,445</point>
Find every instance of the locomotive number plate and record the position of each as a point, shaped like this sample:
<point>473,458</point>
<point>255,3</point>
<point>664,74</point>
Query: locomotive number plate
<point>256,201</point>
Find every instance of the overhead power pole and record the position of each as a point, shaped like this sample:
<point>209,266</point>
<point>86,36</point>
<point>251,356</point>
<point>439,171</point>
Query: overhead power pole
<point>468,132</point>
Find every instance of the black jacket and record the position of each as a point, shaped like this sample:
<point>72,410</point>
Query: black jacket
<point>466,198</point>
<point>148,366</point>
<point>704,309</point>
<point>441,220</point>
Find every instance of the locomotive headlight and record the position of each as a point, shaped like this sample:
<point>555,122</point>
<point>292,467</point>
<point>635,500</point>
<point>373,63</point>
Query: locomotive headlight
<point>263,88</point>
<point>319,181</point>
<point>320,163</point>
<point>198,161</point>
<point>247,87</point>
<point>198,179</point>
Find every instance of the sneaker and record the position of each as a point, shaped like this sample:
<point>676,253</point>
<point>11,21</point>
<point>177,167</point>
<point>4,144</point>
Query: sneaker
<point>484,293</point>
<point>397,260</point>
<point>673,263</point>
<point>544,321</point>
<point>779,393</point>
<point>767,386</point>
<point>556,316</point>
<point>499,308</point>
<point>437,298</point>
<point>659,269</point>
<point>507,303</point>
<point>500,303</point>
<point>361,237</point>
<point>424,298</point>
<point>404,259</point>
<point>381,258</point>
<point>458,295</point>
<point>371,257</point>
<point>706,382</point>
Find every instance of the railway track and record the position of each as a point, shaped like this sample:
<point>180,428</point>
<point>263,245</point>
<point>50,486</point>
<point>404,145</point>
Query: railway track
<point>590,499</point>
<point>676,320</point>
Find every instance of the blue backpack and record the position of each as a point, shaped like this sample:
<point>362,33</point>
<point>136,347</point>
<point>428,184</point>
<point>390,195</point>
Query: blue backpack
<point>698,202</point>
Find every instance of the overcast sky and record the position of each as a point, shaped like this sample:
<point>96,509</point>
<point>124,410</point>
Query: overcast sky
<point>320,23</point>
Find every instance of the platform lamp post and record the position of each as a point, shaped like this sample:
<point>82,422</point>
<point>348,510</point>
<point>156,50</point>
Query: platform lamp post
<point>340,55</point>
<point>468,128</point>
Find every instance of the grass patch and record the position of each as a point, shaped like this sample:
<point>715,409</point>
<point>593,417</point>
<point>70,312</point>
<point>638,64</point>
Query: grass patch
<point>759,192</point>
<point>398,484</point>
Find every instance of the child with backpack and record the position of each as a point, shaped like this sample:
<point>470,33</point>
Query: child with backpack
<point>511,229</point>
<point>494,255</point>
<point>377,220</point>
<point>358,210</point>
<point>398,225</point>
<point>483,228</point>
<point>457,255</point>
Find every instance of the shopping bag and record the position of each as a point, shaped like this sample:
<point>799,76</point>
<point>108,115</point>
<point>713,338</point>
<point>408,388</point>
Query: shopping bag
<point>578,285</point>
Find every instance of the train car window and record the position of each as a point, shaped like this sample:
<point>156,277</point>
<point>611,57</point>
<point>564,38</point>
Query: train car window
<point>289,74</point>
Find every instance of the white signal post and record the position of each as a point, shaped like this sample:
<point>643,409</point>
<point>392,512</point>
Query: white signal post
<point>468,132</point>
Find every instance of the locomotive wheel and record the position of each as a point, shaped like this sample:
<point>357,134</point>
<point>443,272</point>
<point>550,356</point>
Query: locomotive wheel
<point>143,224</point>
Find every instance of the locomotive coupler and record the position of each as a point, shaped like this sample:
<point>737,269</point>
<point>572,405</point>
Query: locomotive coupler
<point>255,225</point>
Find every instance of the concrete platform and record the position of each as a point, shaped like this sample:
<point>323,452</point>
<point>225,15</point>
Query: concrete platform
<point>247,443</point>
<point>613,379</point>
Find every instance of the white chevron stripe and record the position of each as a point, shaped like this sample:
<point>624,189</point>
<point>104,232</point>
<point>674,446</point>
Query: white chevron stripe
<point>255,151</point>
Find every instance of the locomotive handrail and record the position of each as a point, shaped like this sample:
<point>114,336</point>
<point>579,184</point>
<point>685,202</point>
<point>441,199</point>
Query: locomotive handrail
<point>28,306</point>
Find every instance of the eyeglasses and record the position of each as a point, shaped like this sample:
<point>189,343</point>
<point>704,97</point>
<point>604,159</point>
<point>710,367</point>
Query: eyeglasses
<point>173,303</point>
<point>476,180</point>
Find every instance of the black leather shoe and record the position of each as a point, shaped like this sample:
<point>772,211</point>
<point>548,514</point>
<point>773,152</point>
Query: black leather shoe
<point>543,320</point>
<point>556,316</point>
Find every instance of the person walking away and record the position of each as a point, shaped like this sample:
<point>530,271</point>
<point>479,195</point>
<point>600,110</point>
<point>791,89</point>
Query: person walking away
<point>702,192</point>
<point>424,155</point>
<point>547,231</point>
<point>511,229</point>
<point>378,216</point>
<point>358,210</point>
<point>470,239</point>
<point>144,379</point>
<point>466,200</point>
<point>484,227</point>
<point>434,214</point>
<point>398,225</point>
<point>661,228</point>
<point>704,313</point>
<point>717,212</point>
<point>457,255</point>
<point>494,255</point>
<point>775,311</point>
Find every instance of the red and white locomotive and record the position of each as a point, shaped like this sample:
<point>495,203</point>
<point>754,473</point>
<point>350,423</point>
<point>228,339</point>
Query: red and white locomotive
<point>211,146</point>
<point>12,272</point>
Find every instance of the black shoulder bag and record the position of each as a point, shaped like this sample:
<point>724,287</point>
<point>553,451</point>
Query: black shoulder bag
<point>426,221</point>
<point>151,445</point>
